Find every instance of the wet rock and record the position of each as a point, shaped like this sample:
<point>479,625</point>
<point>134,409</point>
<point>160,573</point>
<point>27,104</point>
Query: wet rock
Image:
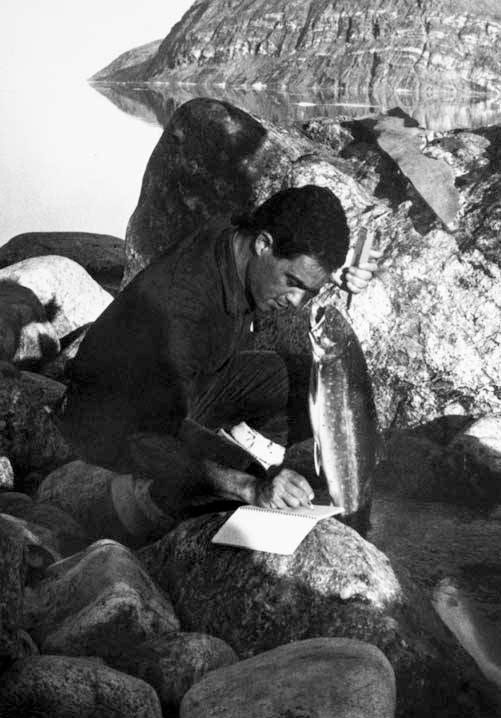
<point>63,285</point>
<point>29,436</point>
<point>26,333</point>
<point>6,474</point>
<point>317,678</point>
<point>100,602</point>
<point>102,255</point>
<point>334,585</point>
<point>105,504</point>
<point>172,664</point>
<point>62,687</point>
<point>11,589</point>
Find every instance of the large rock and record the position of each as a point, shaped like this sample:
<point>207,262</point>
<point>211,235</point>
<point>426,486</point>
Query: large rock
<point>100,602</point>
<point>415,320</point>
<point>173,663</point>
<point>6,474</point>
<point>63,687</point>
<point>29,436</point>
<point>361,52</point>
<point>104,503</point>
<point>67,535</point>
<point>63,285</point>
<point>335,584</point>
<point>102,255</point>
<point>317,678</point>
<point>11,589</point>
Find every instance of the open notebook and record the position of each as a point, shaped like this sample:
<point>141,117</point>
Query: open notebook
<point>271,530</point>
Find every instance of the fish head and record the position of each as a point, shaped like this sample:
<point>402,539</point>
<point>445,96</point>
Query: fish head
<point>330,330</point>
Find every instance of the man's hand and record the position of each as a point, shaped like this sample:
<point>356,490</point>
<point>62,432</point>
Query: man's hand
<point>355,279</point>
<point>288,489</point>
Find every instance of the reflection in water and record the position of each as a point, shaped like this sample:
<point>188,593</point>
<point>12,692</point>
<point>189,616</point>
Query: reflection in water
<point>155,103</point>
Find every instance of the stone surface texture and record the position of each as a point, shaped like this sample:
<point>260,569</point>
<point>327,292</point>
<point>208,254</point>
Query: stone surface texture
<point>316,678</point>
<point>6,474</point>
<point>104,503</point>
<point>358,51</point>
<point>173,663</point>
<point>102,255</point>
<point>416,319</point>
<point>29,436</point>
<point>11,589</point>
<point>61,283</point>
<point>100,602</point>
<point>334,585</point>
<point>62,687</point>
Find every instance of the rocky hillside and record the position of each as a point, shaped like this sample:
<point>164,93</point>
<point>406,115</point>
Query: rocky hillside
<point>357,48</point>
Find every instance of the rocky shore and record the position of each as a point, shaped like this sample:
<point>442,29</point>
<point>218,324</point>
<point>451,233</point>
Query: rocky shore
<point>107,608</point>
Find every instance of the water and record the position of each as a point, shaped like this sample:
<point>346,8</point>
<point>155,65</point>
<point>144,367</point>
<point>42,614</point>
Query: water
<point>72,157</point>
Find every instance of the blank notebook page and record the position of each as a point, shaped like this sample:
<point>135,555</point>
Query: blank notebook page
<point>271,530</point>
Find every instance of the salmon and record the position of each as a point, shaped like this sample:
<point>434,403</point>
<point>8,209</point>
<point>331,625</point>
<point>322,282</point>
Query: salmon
<point>342,412</point>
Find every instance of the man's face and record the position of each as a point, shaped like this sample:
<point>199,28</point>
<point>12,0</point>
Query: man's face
<point>279,283</point>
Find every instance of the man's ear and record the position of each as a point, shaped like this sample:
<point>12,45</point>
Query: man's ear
<point>263,243</point>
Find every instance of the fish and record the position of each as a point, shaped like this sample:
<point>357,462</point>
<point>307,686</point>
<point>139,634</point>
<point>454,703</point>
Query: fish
<point>342,411</point>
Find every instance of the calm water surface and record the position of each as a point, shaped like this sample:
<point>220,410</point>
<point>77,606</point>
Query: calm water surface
<point>72,157</point>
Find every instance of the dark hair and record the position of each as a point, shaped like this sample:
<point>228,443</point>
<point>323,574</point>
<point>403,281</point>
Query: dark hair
<point>303,220</point>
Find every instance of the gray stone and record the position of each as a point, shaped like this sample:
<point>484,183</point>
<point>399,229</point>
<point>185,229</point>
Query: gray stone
<point>29,436</point>
<point>102,255</point>
<point>334,585</point>
<point>52,391</point>
<point>105,504</point>
<point>100,602</point>
<point>6,473</point>
<point>13,501</point>
<point>40,547</point>
<point>62,687</point>
<point>75,298</point>
<point>173,663</point>
<point>67,535</point>
<point>11,589</point>
<point>317,678</point>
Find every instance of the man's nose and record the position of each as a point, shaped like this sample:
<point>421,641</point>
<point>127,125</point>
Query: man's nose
<point>296,298</point>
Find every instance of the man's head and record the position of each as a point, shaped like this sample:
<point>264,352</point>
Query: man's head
<point>300,236</point>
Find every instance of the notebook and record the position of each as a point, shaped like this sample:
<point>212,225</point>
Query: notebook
<point>271,530</point>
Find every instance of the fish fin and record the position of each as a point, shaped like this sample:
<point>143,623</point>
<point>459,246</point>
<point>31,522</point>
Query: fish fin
<point>317,458</point>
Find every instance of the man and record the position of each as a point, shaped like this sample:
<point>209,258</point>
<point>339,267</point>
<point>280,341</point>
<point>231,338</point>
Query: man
<point>166,365</point>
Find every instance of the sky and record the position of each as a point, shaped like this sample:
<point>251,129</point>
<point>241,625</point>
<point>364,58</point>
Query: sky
<point>69,160</point>
<point>67,39</point>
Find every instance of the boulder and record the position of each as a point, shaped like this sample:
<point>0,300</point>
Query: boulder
<point>62,687</point>
<point>105,504</point>
<point>52,391</point>
<point>102,255</point>
<point>6,473</point>
<point>173,663</point>
<point>11,589</point>
<point>316,678</point>
<point>100,602</point>
<point>334,585</point>
<point>214,161</point>
<point>39,544</point>
<point>57,369</point>
<point>29,436</point>
<point>62,285</point>
<point>13,501</point>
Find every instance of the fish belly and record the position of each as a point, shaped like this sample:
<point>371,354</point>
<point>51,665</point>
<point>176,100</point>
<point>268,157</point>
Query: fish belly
<point>343,431</point>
